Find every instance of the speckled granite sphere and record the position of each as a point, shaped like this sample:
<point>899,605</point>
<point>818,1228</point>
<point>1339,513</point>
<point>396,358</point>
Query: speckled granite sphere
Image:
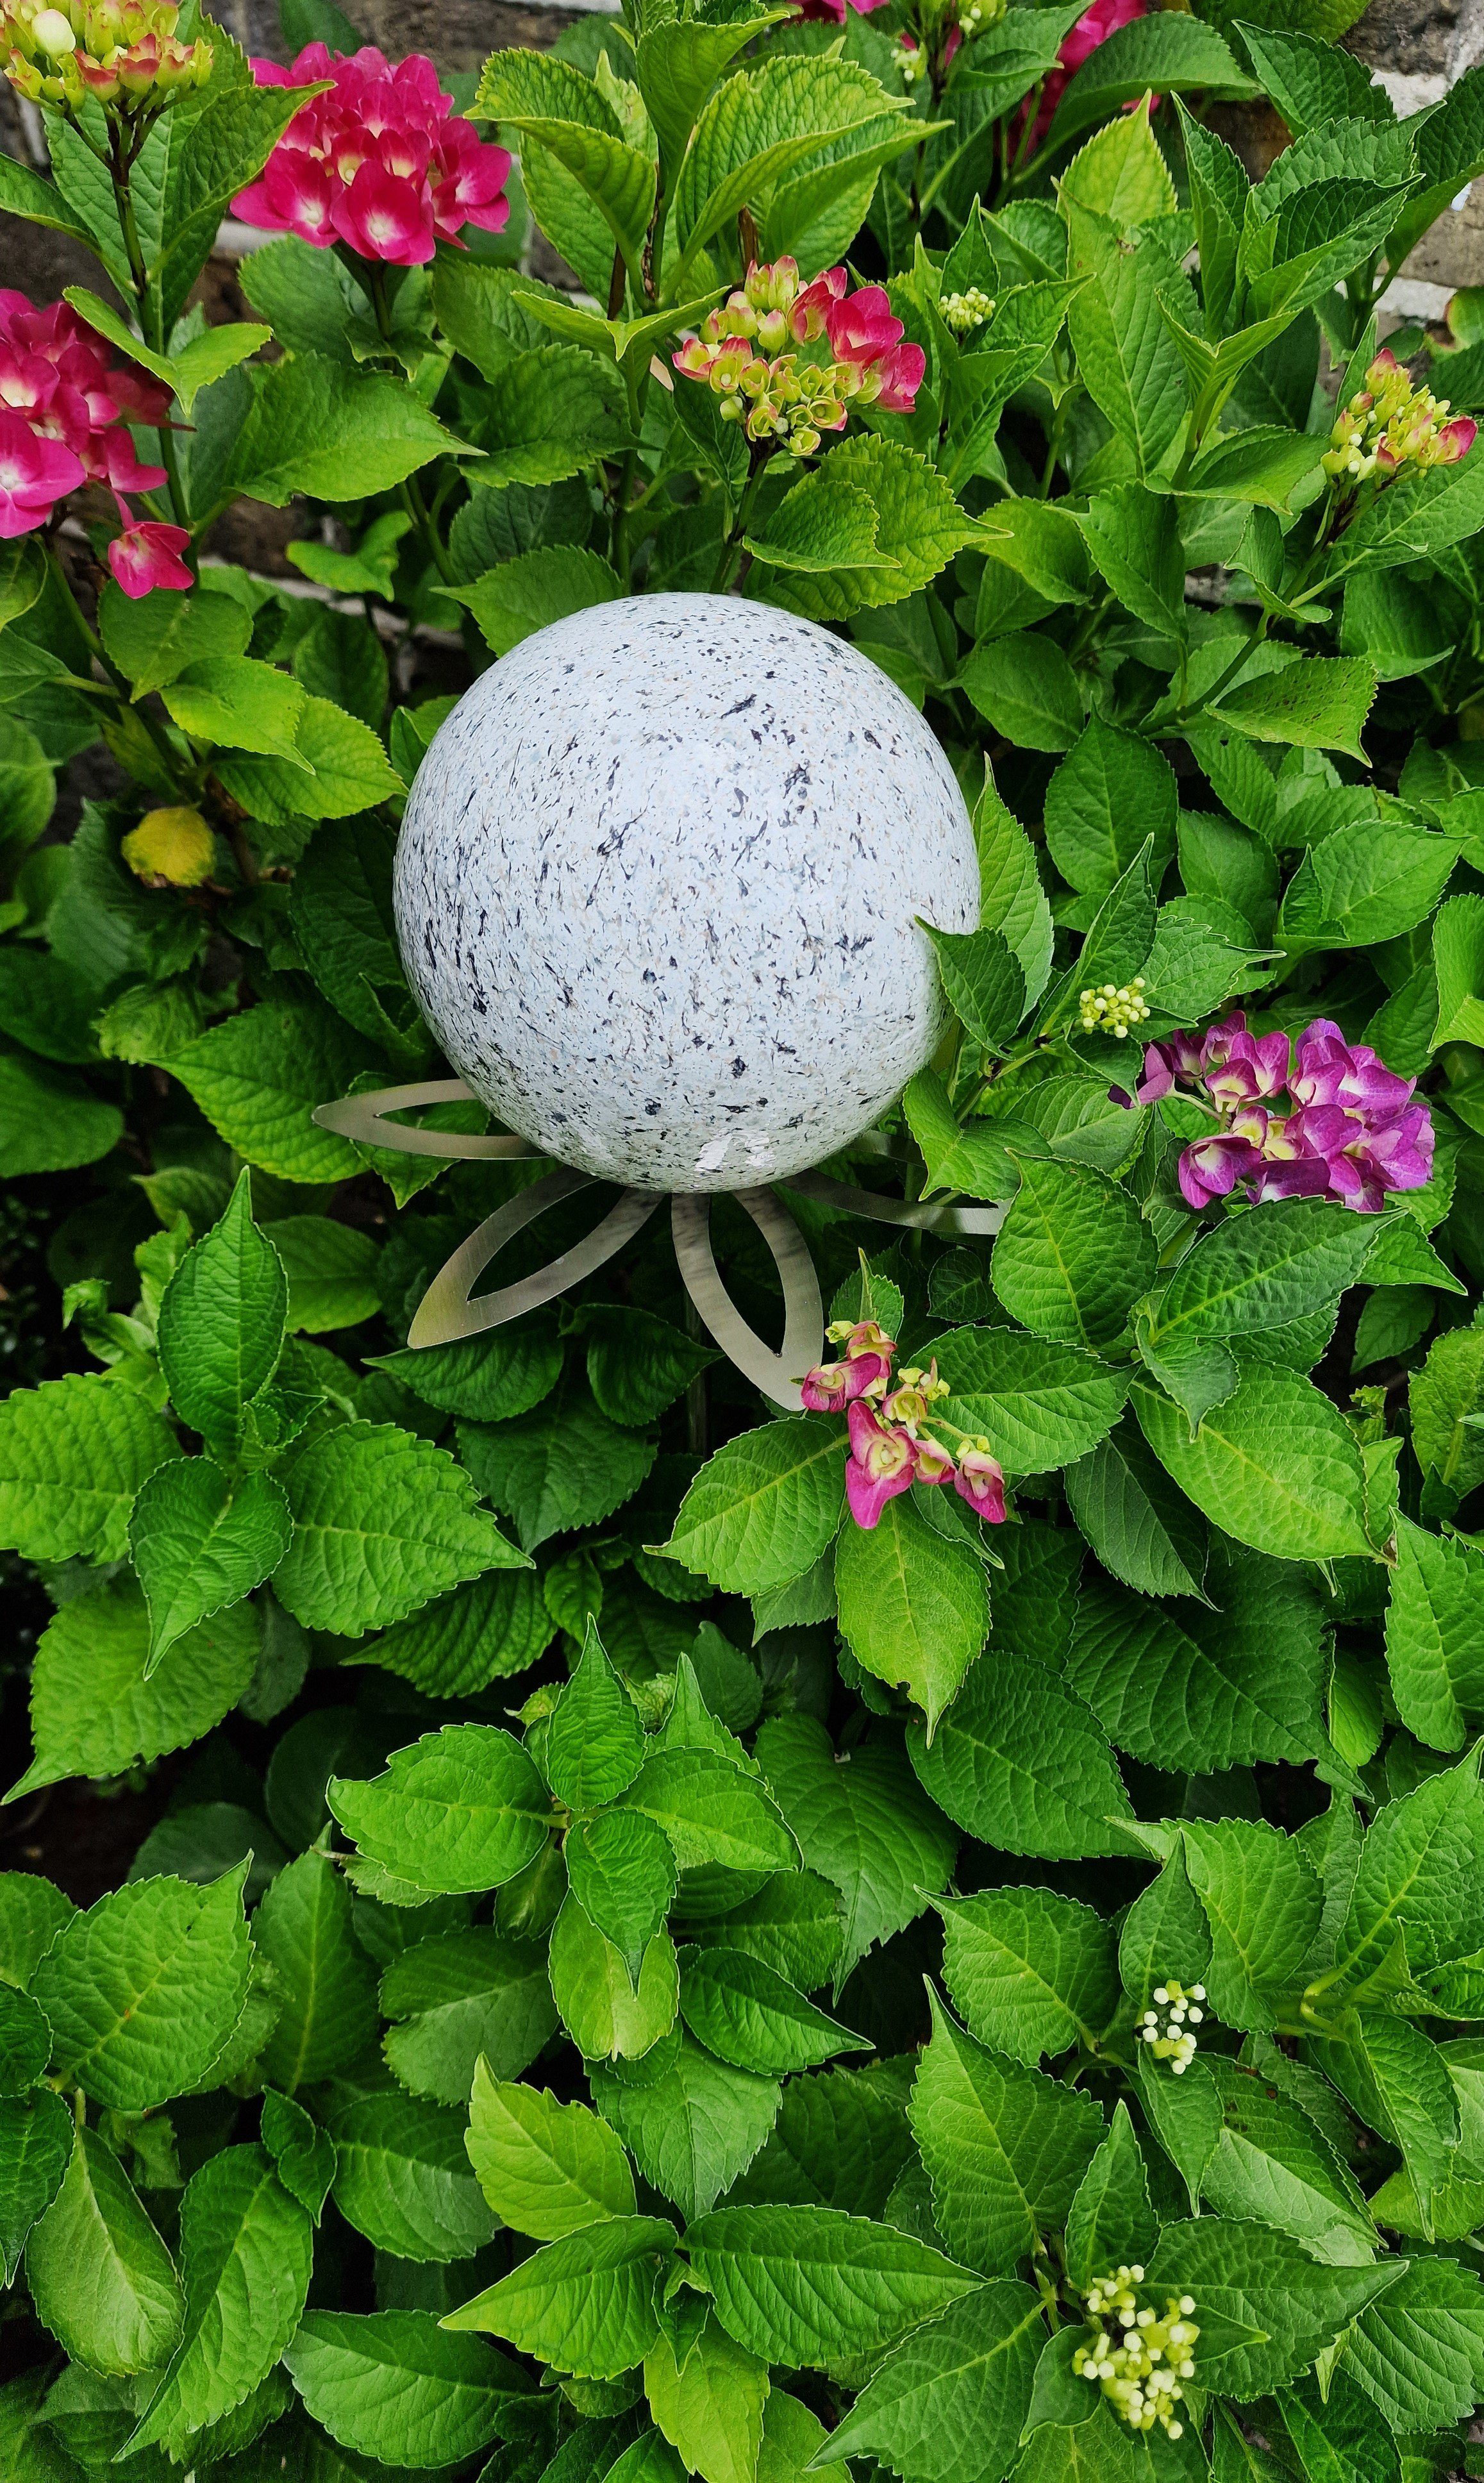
<point>655,891</point>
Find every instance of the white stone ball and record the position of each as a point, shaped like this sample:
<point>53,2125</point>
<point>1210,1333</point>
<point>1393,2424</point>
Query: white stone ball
<point>655,891</point>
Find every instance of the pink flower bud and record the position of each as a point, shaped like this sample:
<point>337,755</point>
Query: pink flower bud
<point>35,474</point>
<point>1212,1168</point>
<point>830,1386</point>
<point>901,377</point>
<point>147,555</point>
<point>807,312</point>
<point>880,1464</point>
<point>933,1463</point>
<point>980,1479</point>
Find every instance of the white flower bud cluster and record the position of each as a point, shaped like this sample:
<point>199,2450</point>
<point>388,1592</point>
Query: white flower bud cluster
<point>1173,2040</point>
<point>1112,1008</point>
<point>962,311</point>
<point>1137,2357</point>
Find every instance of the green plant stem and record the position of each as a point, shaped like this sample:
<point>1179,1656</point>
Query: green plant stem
<point>1248,648</point>
<point>722,578</point>
<point>417,507</point>
<point>410,491</point>
<point>1021,164</point>
<point>168,754</point>
<point>120,165</point>
<point>618,540</point>
<point>1087,627</point>
<point>1053,448</point>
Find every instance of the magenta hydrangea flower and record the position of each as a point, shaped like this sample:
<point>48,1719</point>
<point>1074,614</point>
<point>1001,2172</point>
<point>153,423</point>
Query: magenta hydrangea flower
<point>147,555</point>
<point>35,474</point>
<point>1241,1068</point>
<point>833,1385</point>
<point>1210,1168</point>
<point>892,1431</point>
<point>1094,27</point>
<point>1322,1151</point>
<point>1331,1071</point>
<point>1354,1135</point>
<point>64,416</point>
<point>980,1479</point>
<point>834,11</point>
<point>934,1462</point>
<point>882,1463</point>
<point>378,163</point>
<point>860,356</point>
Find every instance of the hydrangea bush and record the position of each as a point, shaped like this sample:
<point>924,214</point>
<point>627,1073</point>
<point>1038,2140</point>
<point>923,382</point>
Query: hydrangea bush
<point>944,1933</point>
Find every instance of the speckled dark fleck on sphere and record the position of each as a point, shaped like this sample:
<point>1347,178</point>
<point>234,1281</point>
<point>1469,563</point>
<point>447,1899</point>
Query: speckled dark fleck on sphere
<point>656,889</point>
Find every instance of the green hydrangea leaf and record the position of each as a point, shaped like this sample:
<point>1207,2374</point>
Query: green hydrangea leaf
<point>197,1544</point>
<point>73,1453</point>
<point>746,2013</point>
<point>459,1997</point>
<point>609,2012</point>
<point>1276,1466</point>
<point>459,1811</point>
<point>587,2302</point>
<point>403,2176</point>
<point>96,1708</point>
<point>548,2169</point>
<point>1005,2148</point>
<point>1266,2309</point>
<point>692,2123</point>
<point>392,2385</point>
<point>914,1608</point>
<point>865,1826</point>
<point>811,2289</point>
<point>764,1508</point>
<point>326,1985</point>
<point>382,1522</point>
<point>1020,1763</point>
<point>245,2246</point>
<point>144,1989</point>
<point>953,2397</point>
<point>37,2133</point>
<point>1031,1972</point>
<point>100,2276</point>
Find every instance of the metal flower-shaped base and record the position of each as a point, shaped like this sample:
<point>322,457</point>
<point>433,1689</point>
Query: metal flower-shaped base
<point>450,1309</point>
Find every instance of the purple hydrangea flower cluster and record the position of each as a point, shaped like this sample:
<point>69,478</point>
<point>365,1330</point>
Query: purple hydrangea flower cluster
<point>1353,1132</point>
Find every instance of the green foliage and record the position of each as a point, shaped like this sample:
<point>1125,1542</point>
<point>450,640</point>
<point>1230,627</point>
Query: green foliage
<point>549,1875</point>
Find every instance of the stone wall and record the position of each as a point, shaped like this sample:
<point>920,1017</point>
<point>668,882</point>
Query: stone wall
<point>1417,48</point>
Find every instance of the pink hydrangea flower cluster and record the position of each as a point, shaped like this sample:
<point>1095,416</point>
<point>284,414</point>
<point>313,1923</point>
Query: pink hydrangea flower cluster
<point>891,1425</point>
<point>746,354</point>
<point>377,163</point>
<point>1094,27</point>
<point>1353,1132</point>
<point>1390,423</point>
<point>123,53</point>
<point>834,9</point>
<point>64,413</point>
